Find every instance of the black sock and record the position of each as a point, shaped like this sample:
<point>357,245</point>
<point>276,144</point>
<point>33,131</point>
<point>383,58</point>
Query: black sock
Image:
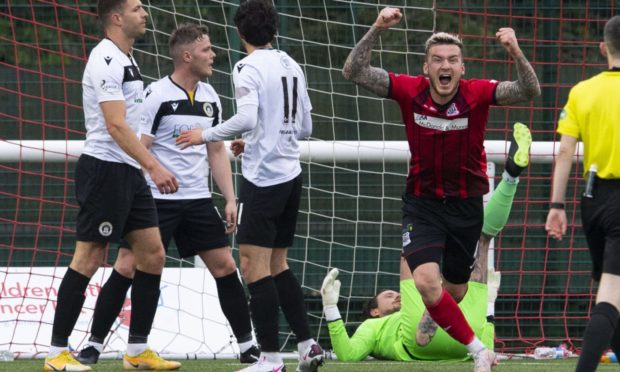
<point>235,306</point>
<point>601,326</point>
<point>144,299</point>
<point>109,303</point>
<point>292,304</point>
<point>69,304</point>
<point>615,342</point>
<point>265,308</point>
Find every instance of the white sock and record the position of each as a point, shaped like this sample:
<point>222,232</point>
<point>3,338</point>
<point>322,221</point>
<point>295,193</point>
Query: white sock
<point>96,345</point>
<point>55,350</point>
<point>272,357</point>
<point>135,349</point>
<point>244,346</point>
<point>491,309</point>
<point>508,178</point>
<point>475,346</point>
<point>305,345</point>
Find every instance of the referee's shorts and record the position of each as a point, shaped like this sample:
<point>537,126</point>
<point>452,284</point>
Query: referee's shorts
<point>600,217</point>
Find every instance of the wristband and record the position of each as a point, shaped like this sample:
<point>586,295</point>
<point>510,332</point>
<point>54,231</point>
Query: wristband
<point>554,205</point>
<point>331,313</point>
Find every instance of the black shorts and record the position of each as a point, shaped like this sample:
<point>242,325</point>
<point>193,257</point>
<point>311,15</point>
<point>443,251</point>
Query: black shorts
<point>267,216</point>
<point>600,217</point>
<point>113,198</point>
<point>196,225</point>
<point>443,231</point>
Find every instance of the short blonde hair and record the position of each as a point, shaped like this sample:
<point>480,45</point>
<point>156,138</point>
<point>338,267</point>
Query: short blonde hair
<point>442,38</point>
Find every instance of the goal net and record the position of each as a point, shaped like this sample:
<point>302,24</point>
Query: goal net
<point>354,166</point>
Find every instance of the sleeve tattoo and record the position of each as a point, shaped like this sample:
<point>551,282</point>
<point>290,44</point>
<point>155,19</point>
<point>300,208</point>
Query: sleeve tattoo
<point>358,69</point>
<point>524,88</point>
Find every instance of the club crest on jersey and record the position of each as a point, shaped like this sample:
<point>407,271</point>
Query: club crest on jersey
<point>452,110</point>
<point>208,109</point>
<point>105,229</point>
<point>107,60</point>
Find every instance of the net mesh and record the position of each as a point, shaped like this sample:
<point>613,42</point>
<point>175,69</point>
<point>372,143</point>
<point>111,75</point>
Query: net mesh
<point>350,215</point>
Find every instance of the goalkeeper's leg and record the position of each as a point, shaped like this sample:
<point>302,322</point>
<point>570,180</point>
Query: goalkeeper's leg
<point>498,209</point>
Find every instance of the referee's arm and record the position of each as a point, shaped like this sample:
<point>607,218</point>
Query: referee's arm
<point>556,219</point>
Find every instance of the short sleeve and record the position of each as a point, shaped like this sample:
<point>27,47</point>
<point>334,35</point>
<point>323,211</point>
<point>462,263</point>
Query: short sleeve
<point>149,119</point>
<point>218,103</point>
<point>401,85</point>
<point>568,123</point>
<point>107,78</point>
<point>246,85</point>
<point>484,90</point>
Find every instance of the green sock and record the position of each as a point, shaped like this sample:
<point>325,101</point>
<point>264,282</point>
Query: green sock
<point>497,210</point>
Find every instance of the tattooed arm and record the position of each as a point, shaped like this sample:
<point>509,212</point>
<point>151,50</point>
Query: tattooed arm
<point>526,87</point>
<point>357,66</point>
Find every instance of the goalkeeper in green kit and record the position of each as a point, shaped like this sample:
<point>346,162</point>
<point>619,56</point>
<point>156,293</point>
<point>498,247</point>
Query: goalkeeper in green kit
<point>398,326</point>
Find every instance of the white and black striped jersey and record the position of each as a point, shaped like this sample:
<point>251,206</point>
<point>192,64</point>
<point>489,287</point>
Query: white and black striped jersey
<point>110,75</point>
<point>168,111</point>
<point>272,80</point>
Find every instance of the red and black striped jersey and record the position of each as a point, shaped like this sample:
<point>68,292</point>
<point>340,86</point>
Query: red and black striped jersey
<point>446,141</point>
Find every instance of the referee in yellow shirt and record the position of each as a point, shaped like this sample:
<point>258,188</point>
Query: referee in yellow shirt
<point>592,115</point>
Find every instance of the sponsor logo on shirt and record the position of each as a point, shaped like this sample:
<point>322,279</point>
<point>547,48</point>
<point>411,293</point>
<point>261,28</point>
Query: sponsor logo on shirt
<point>174,106</point>
<point>563,114</point>
<point>180,128</point>
<point>109,87</point>
<point>107,60</point>
<point>138,96</point>
<point>240,66</point>
<point>440,124</point>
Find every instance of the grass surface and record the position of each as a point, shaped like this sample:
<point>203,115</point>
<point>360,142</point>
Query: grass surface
<point>333,366</point>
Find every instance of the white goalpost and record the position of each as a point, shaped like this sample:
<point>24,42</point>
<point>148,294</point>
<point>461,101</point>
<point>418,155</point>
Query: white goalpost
<point>311,151</point>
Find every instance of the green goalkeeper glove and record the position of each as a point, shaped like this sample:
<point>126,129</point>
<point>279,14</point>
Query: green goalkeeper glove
<point>330,290</point>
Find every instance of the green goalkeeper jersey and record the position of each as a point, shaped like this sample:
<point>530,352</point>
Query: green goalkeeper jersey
<point>392,337</point>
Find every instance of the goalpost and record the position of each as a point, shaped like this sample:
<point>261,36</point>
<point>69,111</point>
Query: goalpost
<point>354,165</point>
